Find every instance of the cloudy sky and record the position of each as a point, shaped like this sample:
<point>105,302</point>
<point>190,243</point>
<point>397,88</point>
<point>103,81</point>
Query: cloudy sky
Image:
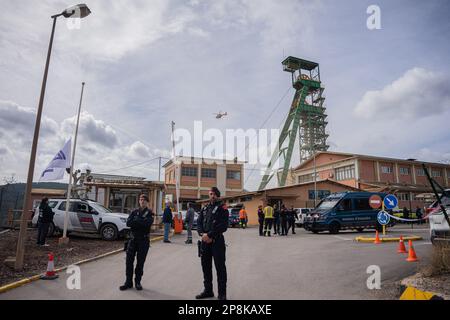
<point>146,63</point>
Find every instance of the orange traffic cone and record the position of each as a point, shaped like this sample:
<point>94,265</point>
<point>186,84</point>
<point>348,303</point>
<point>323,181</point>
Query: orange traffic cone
<point>401,246</point>
<point>50,274</point>
<point>411,253</point>
<point>377,238</point>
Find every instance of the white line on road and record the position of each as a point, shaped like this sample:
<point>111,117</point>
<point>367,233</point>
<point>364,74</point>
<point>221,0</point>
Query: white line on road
<point>421,244</point>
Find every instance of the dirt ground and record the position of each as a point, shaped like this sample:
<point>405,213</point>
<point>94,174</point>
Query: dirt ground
<point>36,258</point>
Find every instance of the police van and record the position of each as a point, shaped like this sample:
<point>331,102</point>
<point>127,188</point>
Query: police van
<point>86,216</point>
<point>344,211</point>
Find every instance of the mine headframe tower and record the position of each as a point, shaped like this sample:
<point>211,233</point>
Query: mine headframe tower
<point>306,116</point>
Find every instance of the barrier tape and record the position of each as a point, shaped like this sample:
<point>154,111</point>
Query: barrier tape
<point>408,220</point>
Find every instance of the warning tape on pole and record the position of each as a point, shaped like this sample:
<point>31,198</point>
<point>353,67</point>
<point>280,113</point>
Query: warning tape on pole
<point>408,220</point>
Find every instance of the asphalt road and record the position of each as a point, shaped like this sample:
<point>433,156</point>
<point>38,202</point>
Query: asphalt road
<point>301,266</point>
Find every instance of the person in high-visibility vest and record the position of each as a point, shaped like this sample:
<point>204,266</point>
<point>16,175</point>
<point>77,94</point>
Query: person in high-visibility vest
<point>268,219</point>
<point>243,218</point>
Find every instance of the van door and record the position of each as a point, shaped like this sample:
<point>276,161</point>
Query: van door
<point>364,214</point>
<point>344,213</point>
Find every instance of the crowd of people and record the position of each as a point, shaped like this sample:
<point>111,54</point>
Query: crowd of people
<point>281,219</point>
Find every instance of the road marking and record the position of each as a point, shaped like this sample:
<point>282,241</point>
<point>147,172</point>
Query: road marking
<point>342,238</point>
<point>422,244</point>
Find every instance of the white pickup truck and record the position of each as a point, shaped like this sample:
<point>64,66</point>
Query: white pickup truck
<point>86,216</point>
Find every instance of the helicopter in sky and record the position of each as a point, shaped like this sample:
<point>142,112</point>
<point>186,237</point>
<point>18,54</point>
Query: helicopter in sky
<point>220,115</point>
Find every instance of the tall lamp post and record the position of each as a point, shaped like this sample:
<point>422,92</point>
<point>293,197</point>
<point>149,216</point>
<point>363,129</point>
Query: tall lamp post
<point>77,11</point>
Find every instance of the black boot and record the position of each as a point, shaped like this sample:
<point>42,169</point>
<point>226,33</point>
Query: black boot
<point>126,286</point>
<point>222,296</point>
<point>205,294</point>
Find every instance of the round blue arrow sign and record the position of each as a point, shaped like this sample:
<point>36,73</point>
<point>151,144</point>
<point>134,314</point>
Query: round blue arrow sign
<point>390,201</point>
<point>383,218</point>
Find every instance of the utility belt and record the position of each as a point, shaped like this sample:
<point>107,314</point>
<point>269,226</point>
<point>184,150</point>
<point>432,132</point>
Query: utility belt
<point>140,237</point>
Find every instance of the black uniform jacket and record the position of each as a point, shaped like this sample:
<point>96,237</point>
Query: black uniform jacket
<point>140,222</point>
<point>218,223</point>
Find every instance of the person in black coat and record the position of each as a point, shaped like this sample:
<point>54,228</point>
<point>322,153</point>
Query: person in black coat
<point>139,221</point>
<point>212,222</point>
<point>261,220</point>
<point>44,220</point>
<point>284,220</point>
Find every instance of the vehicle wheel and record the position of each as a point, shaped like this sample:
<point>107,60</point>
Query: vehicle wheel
<point>359,229</point>
<point>109,232</point>
<point>334,227</point>
<point>51,230</point>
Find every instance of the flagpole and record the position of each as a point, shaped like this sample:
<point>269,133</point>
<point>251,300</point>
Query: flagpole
<point>177,175</point>
<point>64,238</point>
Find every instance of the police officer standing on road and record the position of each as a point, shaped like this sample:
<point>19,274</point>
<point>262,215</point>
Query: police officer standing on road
<point>292,216</point>
<point>212,222</point>
<point>276,220</point>
<point>140,221</point>
<point>284,220</point>
<point>261,220</point>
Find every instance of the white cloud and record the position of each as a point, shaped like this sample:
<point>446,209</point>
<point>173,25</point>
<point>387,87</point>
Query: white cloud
<point>92,131</point>
<point>98,143</point>
<point>418,93</point>
<point>139,150</point>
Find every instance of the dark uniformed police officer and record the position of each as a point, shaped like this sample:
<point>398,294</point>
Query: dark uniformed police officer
<point>140,221</point>
<point>211,224</point>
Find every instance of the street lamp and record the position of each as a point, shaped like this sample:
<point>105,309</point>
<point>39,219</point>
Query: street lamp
<point>77,11</point>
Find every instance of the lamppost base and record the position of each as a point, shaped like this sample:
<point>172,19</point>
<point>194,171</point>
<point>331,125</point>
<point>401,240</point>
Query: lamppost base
<point>63,240</point>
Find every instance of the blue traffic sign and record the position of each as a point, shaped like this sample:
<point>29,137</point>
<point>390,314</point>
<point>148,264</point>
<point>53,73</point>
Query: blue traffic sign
<point>383,218</point>
<point>390,201</point>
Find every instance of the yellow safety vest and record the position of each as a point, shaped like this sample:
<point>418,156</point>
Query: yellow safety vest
<point>268,212</point>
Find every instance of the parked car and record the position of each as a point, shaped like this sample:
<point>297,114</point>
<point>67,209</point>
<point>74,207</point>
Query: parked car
<point>439,228</point>
<point>302,213</point>
<point>345,210</point>
<point>233,218</point>
<point>86,216</point>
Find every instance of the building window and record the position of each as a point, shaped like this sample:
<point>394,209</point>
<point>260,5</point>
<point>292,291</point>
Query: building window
<point>248,198</point>
<point>345,173</point>
<point>208,173</point>
<point>436,173</point>
<point>386,169</point>
<point>307,178</point>
<point>404,171</point>
<point>189,171</point>
<point>420,172</point>
<point>320,194</point>
<point>403,196</point>
<point>234,175</point>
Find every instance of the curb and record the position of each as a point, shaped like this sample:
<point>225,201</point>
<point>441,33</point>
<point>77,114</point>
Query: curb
<point>22,282</point>
<point>367,240</point>
<point>412,293</point>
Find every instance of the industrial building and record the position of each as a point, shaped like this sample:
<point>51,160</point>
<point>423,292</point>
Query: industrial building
<point>405,178</point>
<point>198,175</point>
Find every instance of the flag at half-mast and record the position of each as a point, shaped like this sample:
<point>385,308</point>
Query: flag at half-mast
<point>56,167</point>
